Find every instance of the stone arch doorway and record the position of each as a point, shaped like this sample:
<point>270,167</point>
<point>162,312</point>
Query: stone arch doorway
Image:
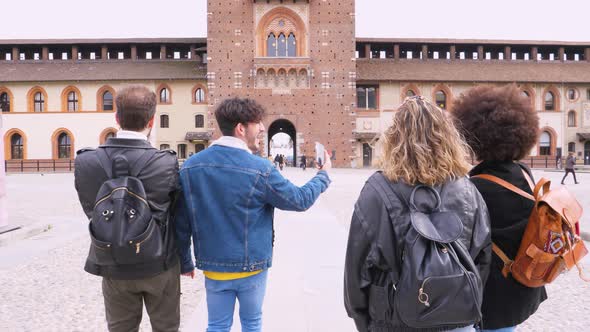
<point>284,127</point>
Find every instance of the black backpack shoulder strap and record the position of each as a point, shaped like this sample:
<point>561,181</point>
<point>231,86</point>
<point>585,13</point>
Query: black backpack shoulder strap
<point>105,162</point>
<point>139,164</point>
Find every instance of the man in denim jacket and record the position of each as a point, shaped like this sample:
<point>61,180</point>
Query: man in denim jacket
<point>227,206</point>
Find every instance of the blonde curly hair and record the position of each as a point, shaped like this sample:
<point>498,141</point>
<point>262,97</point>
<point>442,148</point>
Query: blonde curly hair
<point>422,146</point>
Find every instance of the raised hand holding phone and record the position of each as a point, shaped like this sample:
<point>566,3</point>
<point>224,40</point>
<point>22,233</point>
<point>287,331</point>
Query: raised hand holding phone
<point>322,159</point>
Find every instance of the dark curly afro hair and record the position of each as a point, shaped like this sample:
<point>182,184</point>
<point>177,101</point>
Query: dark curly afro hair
<point>498,123</point>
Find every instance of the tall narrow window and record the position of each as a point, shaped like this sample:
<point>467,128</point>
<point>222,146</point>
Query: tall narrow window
<point>164,121</point>
<point>16,147</point>
<point>72,101</point>
<point>107,101</point>
<point>571,119</point>
<point>271,45</point>
<point>291,45</point>
<point>39,101</point>
<point>549,101</point>
<point>181,151</point>
<point>441,99</point>
<point>199,96</point>
<point>571,94</point>
<point>366,97</point>
<point>545,144</point>
<point>164,96</point>
<point>282,45</point>
<point>5,102</point>
<point>64,145</point>
<point>571,147</point>
<point>199,121</point>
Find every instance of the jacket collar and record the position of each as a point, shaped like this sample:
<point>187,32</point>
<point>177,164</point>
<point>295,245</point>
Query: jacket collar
<point>232,142</point>
<point>129,134</point>
<point>127,143</point>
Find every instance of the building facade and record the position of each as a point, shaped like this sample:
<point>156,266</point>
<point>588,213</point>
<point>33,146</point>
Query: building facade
<point>299,59</point>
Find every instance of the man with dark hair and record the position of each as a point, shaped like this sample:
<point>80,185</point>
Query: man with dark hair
<point>227,207</point>
<point>126,286</point>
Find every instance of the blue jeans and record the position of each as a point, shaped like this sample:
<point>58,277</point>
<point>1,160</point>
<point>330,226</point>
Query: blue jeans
<point>504,329</point>
<point>221,300</point>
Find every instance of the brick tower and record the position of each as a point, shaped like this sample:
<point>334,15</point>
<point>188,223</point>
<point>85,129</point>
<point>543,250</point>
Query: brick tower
<point>296,58</point>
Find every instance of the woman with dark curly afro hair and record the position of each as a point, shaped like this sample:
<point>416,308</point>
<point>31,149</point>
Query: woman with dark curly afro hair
<point>501,127</point>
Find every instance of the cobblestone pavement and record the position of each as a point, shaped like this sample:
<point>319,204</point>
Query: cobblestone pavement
<point>44,288</point>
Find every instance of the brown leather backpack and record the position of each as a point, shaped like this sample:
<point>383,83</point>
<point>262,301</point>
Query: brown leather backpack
<point>551,242</point>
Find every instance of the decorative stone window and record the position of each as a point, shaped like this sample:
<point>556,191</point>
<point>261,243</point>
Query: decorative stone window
<point>366,97</point>
<point>199,121</point>
<point>164,121</point>
<point>441,99</point>
<point>281,33</point>
<point>181,150</point>
<point>5,100</point>
<point>571,119</point>
<point>571,147</point>
<point>71,99</point>
<point>572,94</point>
<point>551,99</point>
<point>105,99</point>
<point>16,147</point>
<point>545,144</point>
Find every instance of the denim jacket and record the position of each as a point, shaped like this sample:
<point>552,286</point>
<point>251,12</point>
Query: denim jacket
<point>227,205</point>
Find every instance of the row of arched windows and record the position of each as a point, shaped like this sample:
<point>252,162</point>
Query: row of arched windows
<point>198,95</point>
<point>62,143</point>
<point>165,121</point>
<point>72,98</point>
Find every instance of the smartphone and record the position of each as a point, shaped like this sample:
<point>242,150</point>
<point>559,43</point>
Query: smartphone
<point>319,153</point>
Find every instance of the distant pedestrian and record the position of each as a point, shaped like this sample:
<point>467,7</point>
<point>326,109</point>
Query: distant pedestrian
<point>277,160</point>
<point>570,163</point>
<point>227,208</point>
<point>501,127</point>
<point>281,161</point>
<point>303,162</point>
<point>133,247</point>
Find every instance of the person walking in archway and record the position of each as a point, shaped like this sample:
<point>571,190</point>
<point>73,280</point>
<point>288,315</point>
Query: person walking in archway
<point>303,161</point>
<point>569,167</point>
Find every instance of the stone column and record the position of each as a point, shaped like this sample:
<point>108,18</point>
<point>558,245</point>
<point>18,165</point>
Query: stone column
<point>424,52</point>
<point>368,51</point>
<point>507,53</point>
<point>45,53</point>
<point>480,53</point>
<point>396,51</point>
<point>133,52</point>
<point>587,54</point>
<point>192,51</point>
<point>74,53</point>
<point>453,52</point>
<point>104,51</point>
<point>163,52</point>
<point>15,55</point>
<point>561,53</point>
<point>534,53</point>
<point>3,208</point>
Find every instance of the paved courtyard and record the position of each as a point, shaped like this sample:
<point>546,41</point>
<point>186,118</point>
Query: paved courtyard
<point>44,288</point>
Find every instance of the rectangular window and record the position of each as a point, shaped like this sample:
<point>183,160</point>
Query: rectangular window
<point>181,151</point>
<point>120,55</point>
<point>176,55</point>
<point>64,55</point>
<point>367,97</point>
<point>92,56</point>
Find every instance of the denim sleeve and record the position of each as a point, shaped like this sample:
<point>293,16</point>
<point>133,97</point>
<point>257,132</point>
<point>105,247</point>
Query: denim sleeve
<point>183,234</point>
<point>282,194</point>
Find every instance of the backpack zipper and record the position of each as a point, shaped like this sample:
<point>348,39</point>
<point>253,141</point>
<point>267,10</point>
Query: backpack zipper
<point>121,188</point>
<point>138,244</point>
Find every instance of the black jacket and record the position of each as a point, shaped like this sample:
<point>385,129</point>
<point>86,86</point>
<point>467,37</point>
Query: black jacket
<point>160,180</point>
<point>505,301</point>
<point>374,248</point>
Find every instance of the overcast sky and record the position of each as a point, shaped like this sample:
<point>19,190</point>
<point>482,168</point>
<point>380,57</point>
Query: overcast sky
<point>566,20</point>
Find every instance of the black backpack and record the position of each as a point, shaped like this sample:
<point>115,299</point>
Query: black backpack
<point>122,229</point>
<point>438,284</point>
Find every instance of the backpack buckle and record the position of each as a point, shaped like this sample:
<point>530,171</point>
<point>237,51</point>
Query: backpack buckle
<point>507,269</point>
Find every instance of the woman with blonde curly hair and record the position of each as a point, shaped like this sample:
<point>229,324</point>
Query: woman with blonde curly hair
<point>424,170</point>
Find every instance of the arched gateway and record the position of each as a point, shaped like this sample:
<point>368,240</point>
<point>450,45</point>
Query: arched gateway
<point>286,127</point>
